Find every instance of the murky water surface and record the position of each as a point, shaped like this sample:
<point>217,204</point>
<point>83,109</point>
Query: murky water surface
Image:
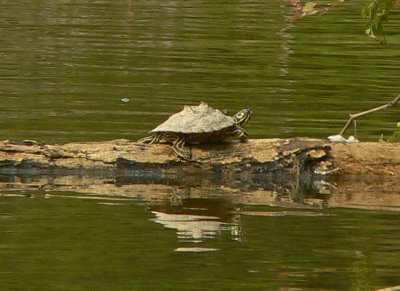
<point>99,70</point>
<point>63,241</point>
<point>66,65</point>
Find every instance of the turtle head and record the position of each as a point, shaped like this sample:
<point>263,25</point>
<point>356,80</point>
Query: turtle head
<point>242,117</point>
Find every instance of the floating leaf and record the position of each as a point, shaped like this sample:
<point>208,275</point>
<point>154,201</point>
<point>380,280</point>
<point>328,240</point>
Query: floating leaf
<point>309,7</point>
<point>375,12</point>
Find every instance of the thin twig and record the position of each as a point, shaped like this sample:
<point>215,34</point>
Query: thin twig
<point>356,115</point>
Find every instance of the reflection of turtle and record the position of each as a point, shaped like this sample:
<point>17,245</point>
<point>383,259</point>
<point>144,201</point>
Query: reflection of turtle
<point>198,124</point>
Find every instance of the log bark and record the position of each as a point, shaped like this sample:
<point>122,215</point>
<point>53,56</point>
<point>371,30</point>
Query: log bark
<point>295,173</point>
<point>295,156</point>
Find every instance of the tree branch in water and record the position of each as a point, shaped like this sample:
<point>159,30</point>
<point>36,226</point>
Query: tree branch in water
<point>356,115</point>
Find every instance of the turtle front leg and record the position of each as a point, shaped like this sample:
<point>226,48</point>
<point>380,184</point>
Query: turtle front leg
<point>151,139</point>
<point>241,133</point>
<point>182,151</point>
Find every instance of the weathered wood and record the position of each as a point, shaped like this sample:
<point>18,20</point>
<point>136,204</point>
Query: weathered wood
<point>295,156</point>
<point>254,156</point>
<point>367,158</point>
<point>295,173</point>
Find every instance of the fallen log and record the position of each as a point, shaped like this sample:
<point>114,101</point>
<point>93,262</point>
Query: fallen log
<point>293,156</point>
<point>295,173</point>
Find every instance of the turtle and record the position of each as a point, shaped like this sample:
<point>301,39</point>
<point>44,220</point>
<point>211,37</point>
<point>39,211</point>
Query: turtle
<point>198,124</point>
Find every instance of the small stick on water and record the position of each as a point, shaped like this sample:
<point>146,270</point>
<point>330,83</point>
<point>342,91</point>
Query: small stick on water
<point>356,115</point>
<point>355,128</point>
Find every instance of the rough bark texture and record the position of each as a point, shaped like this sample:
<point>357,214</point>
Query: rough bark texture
<point>367,158</point>
<point>287,156</point>
<point>301,172</point>
<point>255,156</point>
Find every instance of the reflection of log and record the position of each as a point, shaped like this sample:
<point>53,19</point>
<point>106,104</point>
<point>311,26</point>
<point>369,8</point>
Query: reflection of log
<point>257,156</point>
<point>372,193</point>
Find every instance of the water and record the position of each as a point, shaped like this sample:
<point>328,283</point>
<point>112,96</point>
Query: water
<point>56,242</point>
<point>66,67</point>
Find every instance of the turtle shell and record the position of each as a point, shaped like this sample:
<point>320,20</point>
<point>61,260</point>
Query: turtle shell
<point>196,120</point>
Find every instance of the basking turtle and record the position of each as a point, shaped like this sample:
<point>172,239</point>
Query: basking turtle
<point>198,124</point>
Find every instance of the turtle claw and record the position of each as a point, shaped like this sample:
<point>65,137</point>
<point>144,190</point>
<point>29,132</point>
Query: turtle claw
<point>184,154</point>
<point>186,158</point>
<point>180,149</point>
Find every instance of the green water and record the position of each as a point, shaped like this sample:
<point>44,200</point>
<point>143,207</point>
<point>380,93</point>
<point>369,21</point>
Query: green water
<point>66,65</point>
<point>84,244</point>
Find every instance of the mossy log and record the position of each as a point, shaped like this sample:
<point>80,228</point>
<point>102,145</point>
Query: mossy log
<point>293,156</point>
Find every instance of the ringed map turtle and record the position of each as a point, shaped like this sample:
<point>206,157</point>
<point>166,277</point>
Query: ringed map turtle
<point>198,124</point>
